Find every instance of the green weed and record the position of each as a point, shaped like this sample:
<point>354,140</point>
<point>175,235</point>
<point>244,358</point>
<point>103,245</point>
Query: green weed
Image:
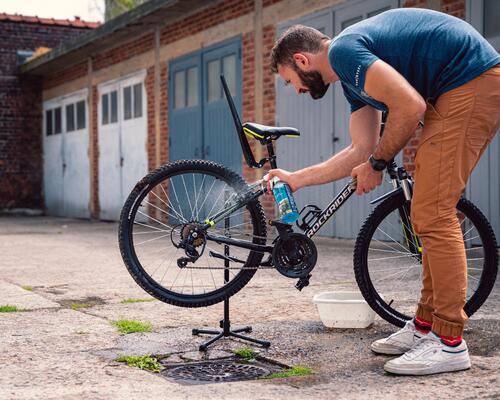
<point>8,308</point>
<point>126,301</point>
<point>247,353</point>
<point>146,362</point>
<point>130,326</point>
<point>297,370</point>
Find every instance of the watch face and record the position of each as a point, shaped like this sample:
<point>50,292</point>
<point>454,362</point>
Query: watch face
<point>377,165</point>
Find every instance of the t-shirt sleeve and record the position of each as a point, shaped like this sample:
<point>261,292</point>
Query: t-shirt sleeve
<point>355,103</point>
<point>350,58</point>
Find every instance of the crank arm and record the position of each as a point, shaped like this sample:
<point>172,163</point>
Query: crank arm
<point>223,257</point>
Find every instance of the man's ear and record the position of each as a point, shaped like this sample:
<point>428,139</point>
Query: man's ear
<point>301,61</point>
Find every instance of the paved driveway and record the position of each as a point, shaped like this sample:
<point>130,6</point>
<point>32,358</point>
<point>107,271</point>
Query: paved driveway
<point>52,351</point>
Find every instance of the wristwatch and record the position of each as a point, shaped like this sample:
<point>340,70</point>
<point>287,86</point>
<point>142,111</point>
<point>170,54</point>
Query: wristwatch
<point>377,165</point>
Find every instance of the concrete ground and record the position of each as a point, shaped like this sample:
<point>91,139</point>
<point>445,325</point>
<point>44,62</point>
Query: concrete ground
<point>51,351</point>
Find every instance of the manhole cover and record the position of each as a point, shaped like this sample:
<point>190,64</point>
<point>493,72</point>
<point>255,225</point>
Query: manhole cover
<point>216,371</point>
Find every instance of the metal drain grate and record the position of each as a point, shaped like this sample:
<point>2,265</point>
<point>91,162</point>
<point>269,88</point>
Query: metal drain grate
<point>216,371</point>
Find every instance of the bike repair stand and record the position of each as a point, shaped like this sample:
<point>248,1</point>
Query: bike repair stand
<point>225,324</point>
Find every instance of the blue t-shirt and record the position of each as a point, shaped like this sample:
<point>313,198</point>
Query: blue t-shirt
<point>435,52</point>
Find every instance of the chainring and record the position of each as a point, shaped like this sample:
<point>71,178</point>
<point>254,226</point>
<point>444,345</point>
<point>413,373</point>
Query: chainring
<point>294,255</point>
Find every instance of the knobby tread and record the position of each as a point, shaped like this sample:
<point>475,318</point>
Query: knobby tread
<point>138,273</point>
<point>361,268</point>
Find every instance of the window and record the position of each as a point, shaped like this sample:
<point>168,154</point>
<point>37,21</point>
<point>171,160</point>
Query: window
<point>105,109</point>
<point>229,71</point>
<point>109,108</point>
<point>137,100</point>
<point>179,89</point>
<point>127,102</point>
<point>192,87</point>
<point>213,77</point>
<point>23,55</point>
<point>57,120</point>
<point>80,115</point>
<point>48,123</point>
<point>70,117</point>
<point>114,107</point>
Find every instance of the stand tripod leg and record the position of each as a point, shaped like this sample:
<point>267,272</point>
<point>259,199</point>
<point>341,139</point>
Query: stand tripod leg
<point>204,346</point>
<point>205,332</point>
<point>246,329</point>
<point>263,343</point>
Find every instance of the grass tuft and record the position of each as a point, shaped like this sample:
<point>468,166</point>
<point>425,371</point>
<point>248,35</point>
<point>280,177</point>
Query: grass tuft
<point>28,288</point>
<point>297,370</point>
<point>126,301</point>
<point>247,353</point>
<point>146,362</point>
<point>8,308</point>
<point>78,306</point>
<point>130,326</point>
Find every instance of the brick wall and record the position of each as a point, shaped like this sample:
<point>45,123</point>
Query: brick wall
<point>20,113</point>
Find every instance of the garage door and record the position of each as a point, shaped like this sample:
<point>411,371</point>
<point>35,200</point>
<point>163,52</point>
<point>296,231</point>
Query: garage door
<point>66,163</point>
<point>324,124</point>
<point>484,185</point>
<point>200,124</point>
<point>122,142</point>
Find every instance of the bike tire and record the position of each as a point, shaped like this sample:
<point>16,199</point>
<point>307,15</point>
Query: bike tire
<point>361,267</point>
<point>132,263</point>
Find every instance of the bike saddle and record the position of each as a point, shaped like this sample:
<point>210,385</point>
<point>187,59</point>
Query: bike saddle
<point>265,133</point>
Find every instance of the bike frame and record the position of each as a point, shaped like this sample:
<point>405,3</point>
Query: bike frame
<point>400,180</point>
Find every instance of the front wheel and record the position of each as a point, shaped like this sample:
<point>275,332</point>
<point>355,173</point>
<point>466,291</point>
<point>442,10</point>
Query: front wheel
<point>163,241</point>
<point>387,259</point>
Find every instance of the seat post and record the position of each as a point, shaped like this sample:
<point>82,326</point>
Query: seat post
<point>271,155</point>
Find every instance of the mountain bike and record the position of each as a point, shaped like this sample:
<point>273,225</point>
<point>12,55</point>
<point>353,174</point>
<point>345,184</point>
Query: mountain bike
<point>190,223</point>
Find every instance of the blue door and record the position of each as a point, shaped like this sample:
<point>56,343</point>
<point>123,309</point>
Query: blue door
<point>200,123</point>
<point>185,115</point>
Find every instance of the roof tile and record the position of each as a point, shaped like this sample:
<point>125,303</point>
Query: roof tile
<point>76,23</point>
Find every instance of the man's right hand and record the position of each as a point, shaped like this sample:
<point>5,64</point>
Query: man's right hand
<point>286,176</point>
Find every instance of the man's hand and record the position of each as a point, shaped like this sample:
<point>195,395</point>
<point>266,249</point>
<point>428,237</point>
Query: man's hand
<point>367,178</point>
<point>285,176</point>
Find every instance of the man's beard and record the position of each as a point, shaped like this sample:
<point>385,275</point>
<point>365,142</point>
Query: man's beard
<point>314,83</point>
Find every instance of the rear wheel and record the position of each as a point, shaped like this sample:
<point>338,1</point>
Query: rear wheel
<point>387,263</point>
<point>168,207</point>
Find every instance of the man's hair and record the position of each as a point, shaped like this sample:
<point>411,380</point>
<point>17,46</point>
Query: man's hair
<point>296,39</point>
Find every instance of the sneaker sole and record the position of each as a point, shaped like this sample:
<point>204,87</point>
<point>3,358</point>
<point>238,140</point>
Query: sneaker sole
<point>387,351</point>
<point>439,369</point>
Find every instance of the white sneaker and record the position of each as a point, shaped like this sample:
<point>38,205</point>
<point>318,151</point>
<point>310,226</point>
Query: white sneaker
<point>399,342</point>
<point>430,356</point>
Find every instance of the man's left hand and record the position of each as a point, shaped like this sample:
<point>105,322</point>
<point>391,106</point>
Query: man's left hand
<point>367,178</point>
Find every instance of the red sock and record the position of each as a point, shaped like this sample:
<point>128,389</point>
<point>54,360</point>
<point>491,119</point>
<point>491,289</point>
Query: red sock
<point>452,341</point>
<point>422,325</point>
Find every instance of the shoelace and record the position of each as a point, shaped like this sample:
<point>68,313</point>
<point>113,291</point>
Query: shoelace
<point>423,343</point>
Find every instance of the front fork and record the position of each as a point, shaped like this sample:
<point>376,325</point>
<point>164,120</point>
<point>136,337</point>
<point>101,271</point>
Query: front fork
<point>411,238</point>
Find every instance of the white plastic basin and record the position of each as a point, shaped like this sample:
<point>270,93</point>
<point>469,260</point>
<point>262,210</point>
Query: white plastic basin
<point>343,310</point>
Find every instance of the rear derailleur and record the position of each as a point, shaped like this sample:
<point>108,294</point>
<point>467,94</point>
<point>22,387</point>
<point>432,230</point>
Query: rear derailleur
<point>192,240</point>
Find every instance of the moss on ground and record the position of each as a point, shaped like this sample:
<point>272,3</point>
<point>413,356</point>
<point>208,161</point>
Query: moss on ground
<point>126,301</point>
<point>130,326</point>
<point>247,353</point>
<point>9,308</point>
<point>297,370</point>
<point>146,362</point>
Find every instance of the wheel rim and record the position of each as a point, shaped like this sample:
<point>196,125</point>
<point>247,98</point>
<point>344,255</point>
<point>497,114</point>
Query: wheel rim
<point>160,219</point>
<point>395,273</point>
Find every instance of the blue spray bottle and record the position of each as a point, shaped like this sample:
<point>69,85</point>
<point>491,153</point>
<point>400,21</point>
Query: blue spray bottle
<point>287,209</point>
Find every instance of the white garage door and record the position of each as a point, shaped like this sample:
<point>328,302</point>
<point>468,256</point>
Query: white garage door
<point>122,142</point>
<point>66,163</point>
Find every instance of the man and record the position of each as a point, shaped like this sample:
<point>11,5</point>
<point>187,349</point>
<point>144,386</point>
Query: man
<point>411,63</point>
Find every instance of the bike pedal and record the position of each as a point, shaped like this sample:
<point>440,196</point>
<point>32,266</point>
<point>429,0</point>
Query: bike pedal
<point>303,282</point>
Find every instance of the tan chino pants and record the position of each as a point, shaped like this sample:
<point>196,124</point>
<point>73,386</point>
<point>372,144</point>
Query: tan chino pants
<point>457,130</point>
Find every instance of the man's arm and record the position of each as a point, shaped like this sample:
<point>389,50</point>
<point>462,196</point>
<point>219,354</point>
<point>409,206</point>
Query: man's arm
<point>364,127</point>
<point>406,107</point>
